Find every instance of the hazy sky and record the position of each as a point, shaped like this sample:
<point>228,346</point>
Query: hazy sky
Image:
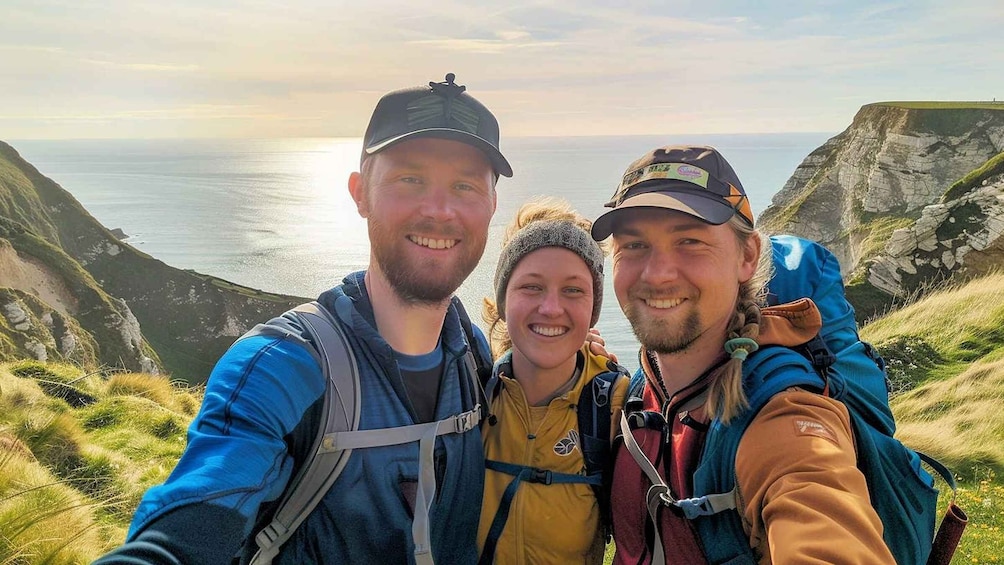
<point>258,68</point>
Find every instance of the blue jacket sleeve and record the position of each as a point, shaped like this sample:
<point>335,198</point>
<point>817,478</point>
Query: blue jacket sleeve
<point>236,459</point>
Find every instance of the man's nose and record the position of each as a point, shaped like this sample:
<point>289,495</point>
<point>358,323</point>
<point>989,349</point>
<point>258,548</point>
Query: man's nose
<point>438,204</point>
<point>662,267</point>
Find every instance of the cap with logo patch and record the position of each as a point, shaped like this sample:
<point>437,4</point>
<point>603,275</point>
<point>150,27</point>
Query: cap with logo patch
<point>442,110</point>
<point>695,180</point>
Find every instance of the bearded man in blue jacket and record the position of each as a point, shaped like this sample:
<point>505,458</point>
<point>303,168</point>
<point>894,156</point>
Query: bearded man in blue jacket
<point>426,187</point>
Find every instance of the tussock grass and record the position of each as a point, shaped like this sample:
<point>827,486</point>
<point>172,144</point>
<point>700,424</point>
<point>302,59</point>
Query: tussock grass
<point>962,323</point>
<point>44,520</point>
<point>957,419</point>
<point>77,451</point>
<point>156,388</point>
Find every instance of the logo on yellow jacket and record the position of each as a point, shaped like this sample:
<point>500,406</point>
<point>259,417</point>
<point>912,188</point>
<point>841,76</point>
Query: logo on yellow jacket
<point>566,445</point>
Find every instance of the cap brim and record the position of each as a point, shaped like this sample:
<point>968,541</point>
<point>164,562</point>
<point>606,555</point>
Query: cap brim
<point>714,211</point>
<point>498,161</point>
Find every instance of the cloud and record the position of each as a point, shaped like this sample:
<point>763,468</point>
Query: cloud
<point>155,67</point>
<point>484,46</point>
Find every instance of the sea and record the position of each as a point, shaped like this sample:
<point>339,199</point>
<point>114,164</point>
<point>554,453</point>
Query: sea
<point>275,214</point>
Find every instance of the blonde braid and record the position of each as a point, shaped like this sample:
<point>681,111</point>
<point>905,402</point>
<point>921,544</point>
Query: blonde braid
<point>726,398</point>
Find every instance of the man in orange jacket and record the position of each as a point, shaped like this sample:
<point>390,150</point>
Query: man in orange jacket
<point>689,274</point>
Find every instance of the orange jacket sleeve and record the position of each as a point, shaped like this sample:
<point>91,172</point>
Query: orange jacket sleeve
<point>803,498</point>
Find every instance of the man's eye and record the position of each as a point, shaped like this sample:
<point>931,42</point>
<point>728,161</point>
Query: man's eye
<point>464,186</point>
<point>411,180</point>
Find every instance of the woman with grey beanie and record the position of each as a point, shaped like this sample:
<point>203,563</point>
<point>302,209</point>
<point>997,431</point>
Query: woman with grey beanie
<point>544,498</point>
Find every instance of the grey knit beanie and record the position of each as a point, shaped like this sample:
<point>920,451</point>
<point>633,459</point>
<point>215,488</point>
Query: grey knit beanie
<point>550,233</point>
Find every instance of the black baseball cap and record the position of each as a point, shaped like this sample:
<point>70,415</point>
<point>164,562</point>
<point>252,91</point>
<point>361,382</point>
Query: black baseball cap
<point>442,110</point>
<point>695,180</point>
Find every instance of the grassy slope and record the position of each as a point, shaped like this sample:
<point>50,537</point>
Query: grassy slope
<point>948,349</point>
<point>993,166</point>
<point>77,450</point>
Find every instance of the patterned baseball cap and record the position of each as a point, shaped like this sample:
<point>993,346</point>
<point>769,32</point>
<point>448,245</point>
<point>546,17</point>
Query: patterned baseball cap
<point>695,180</point>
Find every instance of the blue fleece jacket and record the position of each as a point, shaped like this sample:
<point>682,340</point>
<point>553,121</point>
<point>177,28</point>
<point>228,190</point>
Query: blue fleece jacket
<point>258,418</point>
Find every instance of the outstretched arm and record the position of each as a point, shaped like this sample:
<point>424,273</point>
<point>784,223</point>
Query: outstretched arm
<point>805,499</point>
<point>236,458</point>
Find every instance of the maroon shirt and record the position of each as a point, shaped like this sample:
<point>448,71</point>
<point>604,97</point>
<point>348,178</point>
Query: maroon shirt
<point>678,461</point>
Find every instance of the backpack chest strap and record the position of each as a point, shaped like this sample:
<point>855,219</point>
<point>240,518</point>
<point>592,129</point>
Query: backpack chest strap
<point>381,437</point>
<point>522,473</point>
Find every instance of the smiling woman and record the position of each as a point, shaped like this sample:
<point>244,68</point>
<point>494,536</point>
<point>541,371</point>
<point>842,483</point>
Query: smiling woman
<point>548,292</point>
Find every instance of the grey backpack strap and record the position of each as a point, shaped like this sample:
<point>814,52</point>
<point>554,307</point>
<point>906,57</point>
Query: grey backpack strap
<point>339,435</point>
<point>340,412</point>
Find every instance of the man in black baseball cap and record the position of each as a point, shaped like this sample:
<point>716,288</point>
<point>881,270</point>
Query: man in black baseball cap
<point>426,188</point>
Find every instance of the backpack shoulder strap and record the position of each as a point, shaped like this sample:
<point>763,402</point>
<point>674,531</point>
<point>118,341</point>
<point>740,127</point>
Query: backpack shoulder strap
<point>594,423</point>
<point>340,412</point>
<point>338,435</point>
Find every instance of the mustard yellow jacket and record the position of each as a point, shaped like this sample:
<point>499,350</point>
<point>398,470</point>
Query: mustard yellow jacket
<point>556,523</point>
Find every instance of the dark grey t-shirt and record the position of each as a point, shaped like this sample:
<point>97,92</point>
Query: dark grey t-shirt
<point>422,375</point>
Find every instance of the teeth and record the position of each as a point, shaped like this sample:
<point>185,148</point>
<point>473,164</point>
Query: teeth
<point>548,331</point>
<point>663,302</point>
<point>433,243</point>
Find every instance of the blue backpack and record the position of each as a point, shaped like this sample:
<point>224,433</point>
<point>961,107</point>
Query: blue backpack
<point>849,370</point>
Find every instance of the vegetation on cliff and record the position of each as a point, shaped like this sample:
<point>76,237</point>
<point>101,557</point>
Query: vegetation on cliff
<point>994,166</point>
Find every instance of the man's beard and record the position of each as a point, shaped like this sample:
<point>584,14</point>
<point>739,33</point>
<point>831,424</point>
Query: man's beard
<point>416,283</point>
<point>663,336</point>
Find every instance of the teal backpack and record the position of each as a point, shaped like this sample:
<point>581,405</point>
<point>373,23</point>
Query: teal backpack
<point>847,369</point>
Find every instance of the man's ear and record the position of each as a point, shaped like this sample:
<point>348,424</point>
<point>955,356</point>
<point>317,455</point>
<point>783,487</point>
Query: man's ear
<point>357,191</point>
<point>750,257</point>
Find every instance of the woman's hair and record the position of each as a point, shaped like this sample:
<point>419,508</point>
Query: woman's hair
<point>726,398</point>
<point>544,209</point>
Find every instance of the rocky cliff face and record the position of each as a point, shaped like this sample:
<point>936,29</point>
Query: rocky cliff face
<point>138,312</point>
<point>962,236</point>
<point>880,174</point>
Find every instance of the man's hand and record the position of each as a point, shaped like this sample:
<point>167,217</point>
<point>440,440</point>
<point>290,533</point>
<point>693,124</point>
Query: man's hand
<point>597,346</point>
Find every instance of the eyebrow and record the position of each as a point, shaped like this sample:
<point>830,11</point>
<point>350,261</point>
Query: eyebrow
<point>538,275</point>
<point>631,231</point>
<point>418,166</point>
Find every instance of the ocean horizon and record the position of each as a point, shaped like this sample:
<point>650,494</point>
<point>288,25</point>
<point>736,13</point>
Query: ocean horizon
<point>275,214</point>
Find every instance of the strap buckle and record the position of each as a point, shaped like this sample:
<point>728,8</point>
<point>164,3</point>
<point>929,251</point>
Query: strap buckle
<point>468,420</point>
<point>694,507</point>
<point>542,476</point>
